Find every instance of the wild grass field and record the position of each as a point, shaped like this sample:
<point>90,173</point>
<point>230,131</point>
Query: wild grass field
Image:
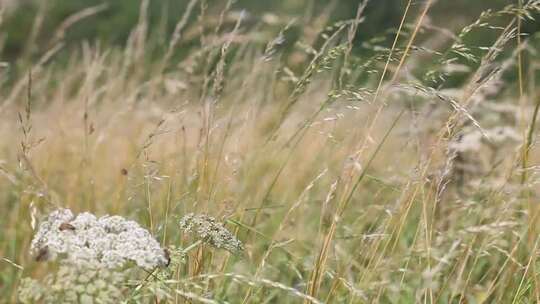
<point>274,159</point>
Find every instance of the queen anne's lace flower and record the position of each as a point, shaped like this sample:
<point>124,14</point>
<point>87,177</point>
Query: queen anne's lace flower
<point>499,135</point>
<point>109,240</point>
<point>76,283</point>
<point>211,231</point>
<point>468,142</point>
<point>473,141</point>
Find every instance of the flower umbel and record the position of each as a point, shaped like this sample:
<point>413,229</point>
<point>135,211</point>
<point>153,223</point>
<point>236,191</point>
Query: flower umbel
<point>76,283</point>
<point>110,241</point>
<point>209,230</point>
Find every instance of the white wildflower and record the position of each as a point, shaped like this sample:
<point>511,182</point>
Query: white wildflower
<point>468,142</point>
<point>110,240</point>
<point>502,135</point>
<point>211,231</point>
<point>474,141</point>
<point>76,283</point>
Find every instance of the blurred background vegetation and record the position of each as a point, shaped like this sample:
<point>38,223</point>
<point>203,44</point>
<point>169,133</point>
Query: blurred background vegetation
<point>34,28</point>
<point>116,19</point>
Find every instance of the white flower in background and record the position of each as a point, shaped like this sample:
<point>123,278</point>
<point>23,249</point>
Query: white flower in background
<point>110,241</point>
<point>468,142</point>
<point>473,141</point>
<point>501,135</point>
<point>211,231</point>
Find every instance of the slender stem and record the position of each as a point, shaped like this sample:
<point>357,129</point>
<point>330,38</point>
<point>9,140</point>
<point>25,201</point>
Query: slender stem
<point>192,246</point>
<point>528,144</point>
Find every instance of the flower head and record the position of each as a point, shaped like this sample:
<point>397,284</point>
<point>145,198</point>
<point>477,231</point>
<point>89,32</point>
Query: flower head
<point>211,231</point>
<point>76,283</point>
<point>109,240</point>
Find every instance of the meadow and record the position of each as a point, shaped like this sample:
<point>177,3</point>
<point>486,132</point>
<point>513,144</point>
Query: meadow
<point>322,168</point>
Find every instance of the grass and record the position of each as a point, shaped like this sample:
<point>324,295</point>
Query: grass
<point>403,169</point>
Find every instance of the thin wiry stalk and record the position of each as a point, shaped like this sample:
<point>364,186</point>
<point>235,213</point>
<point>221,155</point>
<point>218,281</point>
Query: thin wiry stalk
<point>320,264</point>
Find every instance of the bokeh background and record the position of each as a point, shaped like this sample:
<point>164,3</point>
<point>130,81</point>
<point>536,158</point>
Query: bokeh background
<point>114,24</point>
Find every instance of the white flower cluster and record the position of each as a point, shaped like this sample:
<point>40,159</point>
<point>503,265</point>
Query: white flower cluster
<point>75,283</point>
<point>501,135</point>
<point>473,141</point>
<point>468,142</point>
<point>110,241</point>
<point>211,231</point>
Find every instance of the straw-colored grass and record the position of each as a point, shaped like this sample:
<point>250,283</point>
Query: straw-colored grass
<point>401,170</point>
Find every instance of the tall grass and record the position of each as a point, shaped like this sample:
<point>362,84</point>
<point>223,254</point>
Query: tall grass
<point>402,169</point>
